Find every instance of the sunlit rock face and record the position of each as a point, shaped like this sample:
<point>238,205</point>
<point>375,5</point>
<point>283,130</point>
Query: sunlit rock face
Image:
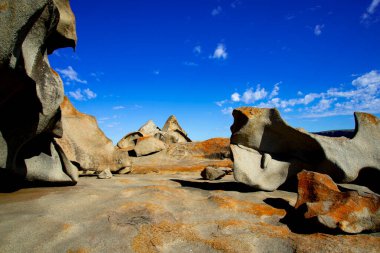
<point>30,91</point>
<point>267,152</point>
<point>85,144</point>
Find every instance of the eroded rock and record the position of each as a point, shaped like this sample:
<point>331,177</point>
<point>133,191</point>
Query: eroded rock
<point>211,173</point>
<point>267,152</point>
<point>148,145</point>
<point>30,91</point>
<point>85,143</point>
<point>351,211</point>
<point>105,174</point>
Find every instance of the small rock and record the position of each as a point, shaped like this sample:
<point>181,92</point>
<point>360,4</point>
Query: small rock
<point>211,173</point>
<point>348,211</point>
<point>105,174</point>
<point>125,170</point>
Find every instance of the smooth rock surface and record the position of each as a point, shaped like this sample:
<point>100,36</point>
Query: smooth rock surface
<point>211,173</point>
<point>351,211</point>
<point>85,143</point>
<point>31,92</point>
<point>158,213</point>
<point>268,152</point>
<point>148,145</point>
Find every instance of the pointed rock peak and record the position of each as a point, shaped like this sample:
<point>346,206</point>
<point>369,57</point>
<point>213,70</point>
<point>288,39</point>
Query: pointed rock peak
<point>149,128</point>
<point>172,125</point>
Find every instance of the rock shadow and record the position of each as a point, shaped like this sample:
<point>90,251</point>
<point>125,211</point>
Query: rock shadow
<point>215,186</point>
<point>295,221</point>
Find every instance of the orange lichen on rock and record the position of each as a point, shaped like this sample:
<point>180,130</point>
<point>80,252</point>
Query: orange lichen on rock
<point>350,211</point>
<point>246,206</point>
<point>152,238</point>
<point>369,118</point>
<point>80,250</point>
<point>210,146</point>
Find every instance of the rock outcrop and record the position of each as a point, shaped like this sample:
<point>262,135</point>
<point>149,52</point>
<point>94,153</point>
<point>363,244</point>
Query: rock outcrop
<point>171,133</point>
<point>30,91</point>
<point>185,157</point>
<point>86,145</point>
<point>267,152</point>
<point>350,212</point>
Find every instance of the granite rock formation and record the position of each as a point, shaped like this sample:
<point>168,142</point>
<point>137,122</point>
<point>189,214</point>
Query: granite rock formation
<point>267,152</point>
<point>172,132</point>
<point>350,212</point>
<point>86,145</point>
<point>185,157</point>
<point>30,91</point>
<point>160,213</point>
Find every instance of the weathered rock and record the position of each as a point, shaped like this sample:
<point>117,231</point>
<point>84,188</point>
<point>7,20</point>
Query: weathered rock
<point>30,92</point>
<point>148,145</point>
<point>172,133</point>
<point>211,173</point>
<point>351,211</point>
<point>185,157</point>
<point>129,141</point>
<point>105,174</point>
<point>86,145</point>
<point>159,213</point>
<point>149,129</point>
<point>267,151</point>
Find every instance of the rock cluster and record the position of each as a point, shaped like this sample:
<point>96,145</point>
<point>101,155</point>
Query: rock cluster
<point>267,152</point>
<point>151,139</point>
<point>31,92</point>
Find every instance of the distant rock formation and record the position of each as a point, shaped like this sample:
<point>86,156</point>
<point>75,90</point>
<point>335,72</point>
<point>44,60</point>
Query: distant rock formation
<point>185,157</point>
<point>30,91</point>
<point>171,133</point>
<point>267,152</point>
<point>86,145</point>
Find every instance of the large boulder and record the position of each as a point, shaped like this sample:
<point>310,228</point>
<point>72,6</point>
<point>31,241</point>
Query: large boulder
<point>85,143</point>
<point>148,145</point>
<point>267,151</point>
<point>30,91</point>
<point>324,203</point>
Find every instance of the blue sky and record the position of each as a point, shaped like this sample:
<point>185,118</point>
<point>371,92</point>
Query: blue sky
<point>316,61</point>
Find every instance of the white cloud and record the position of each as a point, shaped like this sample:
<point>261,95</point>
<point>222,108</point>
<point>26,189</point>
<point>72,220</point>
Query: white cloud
<point>118,107</point>
<point>250,96</point>
<point>216,11</point>
<point>371,9</point>
<point>221,103</point>
<point>197,49</point>
<point>235,97</point>
<point>227,110</point>
<point>69,74</point>
<point>156,72</point>
<point>275,90</point>
<point>82,95</point>
<point>220,52</point>
<point>362,95</point>
<point>318,29</point>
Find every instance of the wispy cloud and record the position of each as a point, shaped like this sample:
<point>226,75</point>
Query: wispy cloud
<point>371,9</point>
<point>362,95</point>
<point>227,110</point>
<point>318,29</point>
<point>216,11</point>
<point>118,107</point>
<point>156,72</point>
<point>190,64</point>
<point>70,75</point>
<point>197,49</point>
<point>82,95</point>
<point>97,75</point>
<point>220,52</point>
<point>234,4</point>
